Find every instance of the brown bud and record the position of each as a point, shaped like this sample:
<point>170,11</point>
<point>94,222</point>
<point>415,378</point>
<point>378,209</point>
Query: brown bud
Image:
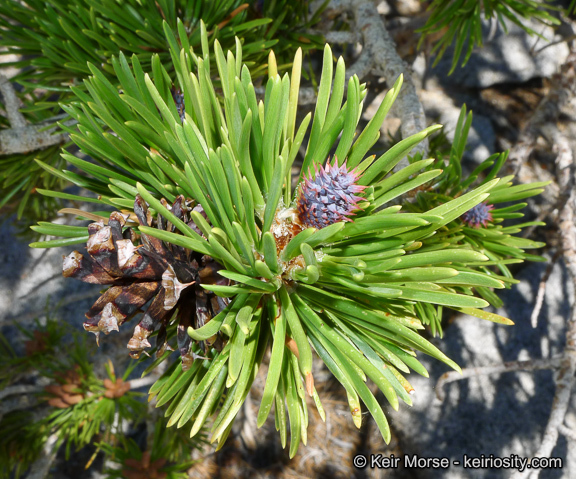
<point>57,402</point>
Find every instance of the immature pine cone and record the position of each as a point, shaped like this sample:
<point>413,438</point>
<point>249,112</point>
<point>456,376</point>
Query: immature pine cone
<point>479,215</point>
<point>329,197</point>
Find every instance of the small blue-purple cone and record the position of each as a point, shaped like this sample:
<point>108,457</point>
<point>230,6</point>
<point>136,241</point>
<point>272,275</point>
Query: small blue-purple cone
<point>479,215</point>
<point>329,197</point>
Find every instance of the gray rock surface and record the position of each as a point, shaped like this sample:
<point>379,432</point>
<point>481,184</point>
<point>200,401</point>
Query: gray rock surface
<point>506,58</point>
<point>499,414</point>
<point>31,283</point>
<point>445,110</point>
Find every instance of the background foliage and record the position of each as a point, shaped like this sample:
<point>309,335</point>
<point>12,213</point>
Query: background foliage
<point>77,407</point>
<point>56,40</point>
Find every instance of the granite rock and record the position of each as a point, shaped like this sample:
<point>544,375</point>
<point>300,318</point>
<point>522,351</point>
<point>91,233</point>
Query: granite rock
<point>501,414</point>
<point>512,57</point>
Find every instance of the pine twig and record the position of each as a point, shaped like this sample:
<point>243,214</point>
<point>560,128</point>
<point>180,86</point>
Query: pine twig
<point>341,37</point>
<point>529,365</point>
<point>11,104</point>
<point>542,290</point>
<point>379,56</point>
<point>388,63</point>
<point>568,432</point>
<point>23,138</point>
<point>41,467</point>
<point>20,389</point>
<point>146,381</point>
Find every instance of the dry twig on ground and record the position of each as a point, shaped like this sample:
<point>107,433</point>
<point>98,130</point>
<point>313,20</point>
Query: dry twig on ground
<point>542,290</point>
<point>529,365</point>
<point>544,120</point>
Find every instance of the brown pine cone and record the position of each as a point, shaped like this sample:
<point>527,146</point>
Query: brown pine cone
<point>139,269</point>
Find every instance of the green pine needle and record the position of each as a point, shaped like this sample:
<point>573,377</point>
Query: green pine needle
<point>358,293</point>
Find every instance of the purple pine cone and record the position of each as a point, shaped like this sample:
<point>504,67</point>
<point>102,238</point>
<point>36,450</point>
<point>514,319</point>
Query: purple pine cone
<point>479,215</point>
<point>329,197</point>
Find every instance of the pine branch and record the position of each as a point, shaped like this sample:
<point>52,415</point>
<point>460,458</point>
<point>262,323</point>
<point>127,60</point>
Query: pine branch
<point>20,389</point>
<point>148,380</point>
<point>11,104</point>
<point>568,432</point>
<point>261,237</point>
<point>23,138</point>
<point>41,467</point>
<point>380,57</point>
<point>528,365</point>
